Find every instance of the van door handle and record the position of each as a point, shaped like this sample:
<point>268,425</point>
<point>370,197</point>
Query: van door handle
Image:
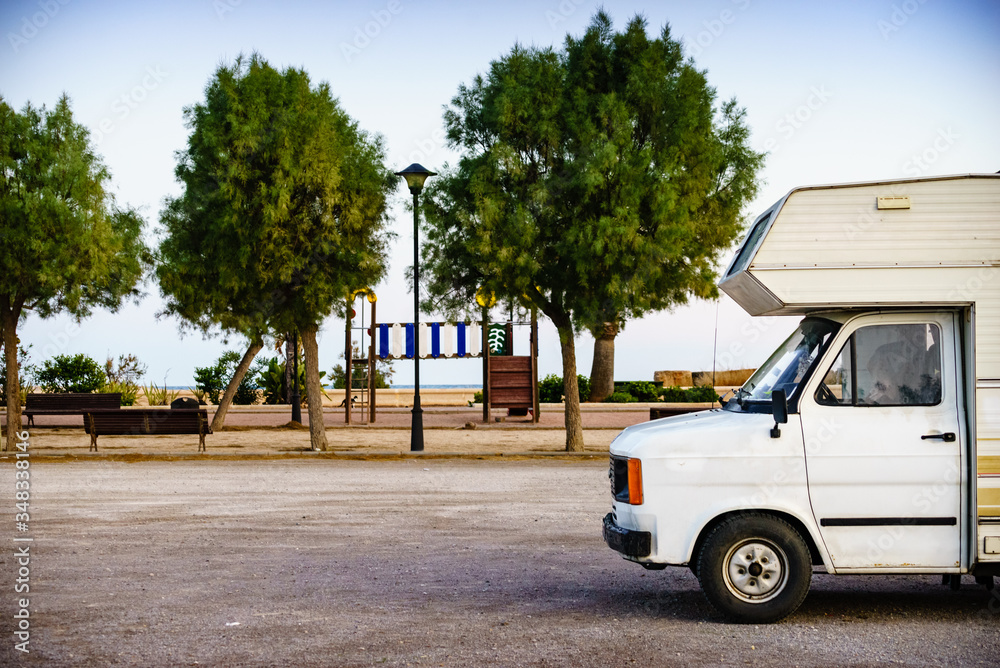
<point>947,437</point>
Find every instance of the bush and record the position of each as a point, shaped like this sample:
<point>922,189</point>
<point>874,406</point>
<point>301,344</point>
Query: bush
<point>124,377</point>
<point>673,394</point>
<point>159,396</point>
<point>690,395</point>
<point>212,380</point>
<point>71,373</point>
<point>640,390</point>
<point>703,393</point>
<point>271,378</point>
<point>621,398</point>
<point>550,388</point>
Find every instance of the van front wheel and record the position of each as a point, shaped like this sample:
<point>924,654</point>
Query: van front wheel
<point>754,568</point>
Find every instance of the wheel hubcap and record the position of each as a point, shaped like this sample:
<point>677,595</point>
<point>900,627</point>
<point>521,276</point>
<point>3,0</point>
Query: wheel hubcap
<point>755,570</point>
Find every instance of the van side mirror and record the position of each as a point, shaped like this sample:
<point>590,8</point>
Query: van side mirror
<point>779,409</point>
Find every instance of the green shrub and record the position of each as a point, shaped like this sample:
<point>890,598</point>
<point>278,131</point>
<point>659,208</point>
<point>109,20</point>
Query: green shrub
<point>550,388</point>
<point>673,394</point>
<point>123,377</point>
<point>477,398</point>
<point>272,381</point>
<point>641,390</point>
<point>198,394</point>
<point>71,373</point>
<point>703,393</point>
<point>621,398</point>
<point>159,396</point>
<point>212,380</point>
<point>129,391</point>
<point>209,380</point>
<point>689,395</point>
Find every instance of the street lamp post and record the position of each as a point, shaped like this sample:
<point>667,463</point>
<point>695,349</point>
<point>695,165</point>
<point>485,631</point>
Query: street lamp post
<point>415,176</point>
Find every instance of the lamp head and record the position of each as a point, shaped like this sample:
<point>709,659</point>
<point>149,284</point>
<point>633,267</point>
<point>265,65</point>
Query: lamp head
<point>415,176</point>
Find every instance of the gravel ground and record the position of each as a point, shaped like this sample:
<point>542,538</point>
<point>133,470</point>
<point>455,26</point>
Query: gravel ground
<point>410,562</point>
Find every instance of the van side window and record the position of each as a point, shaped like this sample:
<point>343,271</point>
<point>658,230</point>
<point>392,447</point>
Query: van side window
<point>838,388</point>
<point>886,365</point>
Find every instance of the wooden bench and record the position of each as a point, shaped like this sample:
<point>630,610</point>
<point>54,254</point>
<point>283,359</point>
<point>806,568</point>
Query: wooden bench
<point>69,403</point>
<point>146,421</point>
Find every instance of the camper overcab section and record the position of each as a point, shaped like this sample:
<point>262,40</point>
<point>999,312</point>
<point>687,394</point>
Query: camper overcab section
<point>869,442</point>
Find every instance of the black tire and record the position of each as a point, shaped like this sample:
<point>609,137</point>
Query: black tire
<point>754,569</point>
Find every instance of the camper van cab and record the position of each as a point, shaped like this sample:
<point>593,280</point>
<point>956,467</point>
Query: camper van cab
<point>869,442</point>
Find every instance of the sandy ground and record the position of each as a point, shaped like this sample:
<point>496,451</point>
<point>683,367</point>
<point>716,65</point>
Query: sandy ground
<point>262,432</point>
<point>276,441</point>
<point>410,562</point>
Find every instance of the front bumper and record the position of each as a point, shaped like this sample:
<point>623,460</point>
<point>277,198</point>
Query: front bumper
<point>634,544</point>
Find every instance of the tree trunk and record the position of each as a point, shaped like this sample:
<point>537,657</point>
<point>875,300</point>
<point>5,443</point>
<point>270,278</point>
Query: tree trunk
<point>314,391</point>
<point>8,323</point>
<point>574,424</point>
<point>602,371</point>
<point>227,399</point>
<point>289,363</point>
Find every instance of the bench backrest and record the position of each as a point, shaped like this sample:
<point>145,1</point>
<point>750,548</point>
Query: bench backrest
<point>72,401</point>
<point>146,421</point>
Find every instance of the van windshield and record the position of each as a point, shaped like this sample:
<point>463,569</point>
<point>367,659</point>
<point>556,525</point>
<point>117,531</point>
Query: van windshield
<point>790,363</point>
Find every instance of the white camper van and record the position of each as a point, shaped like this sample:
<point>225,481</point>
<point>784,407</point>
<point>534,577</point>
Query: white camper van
<point>869,442</point>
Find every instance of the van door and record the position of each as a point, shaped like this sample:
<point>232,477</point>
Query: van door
<point>883,424</point>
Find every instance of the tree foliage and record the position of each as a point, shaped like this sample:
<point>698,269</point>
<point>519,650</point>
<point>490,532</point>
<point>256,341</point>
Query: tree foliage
<point>76,248</point>
<point>283,210</point>
<point>597,183</point>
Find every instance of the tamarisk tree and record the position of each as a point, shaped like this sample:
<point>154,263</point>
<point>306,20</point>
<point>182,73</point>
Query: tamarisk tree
<point>67,245</point>
<point>283,212</point>
<point>597,183</point>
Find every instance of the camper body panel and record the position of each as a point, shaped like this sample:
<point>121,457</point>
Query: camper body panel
<point>934,244</point>
<point>870,440</point>
<point>701,466</point>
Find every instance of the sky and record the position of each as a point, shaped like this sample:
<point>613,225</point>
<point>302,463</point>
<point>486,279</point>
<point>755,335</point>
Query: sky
<point>834,92</point>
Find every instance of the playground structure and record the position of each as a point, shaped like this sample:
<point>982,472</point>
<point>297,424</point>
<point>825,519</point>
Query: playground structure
<point>509,381</point>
